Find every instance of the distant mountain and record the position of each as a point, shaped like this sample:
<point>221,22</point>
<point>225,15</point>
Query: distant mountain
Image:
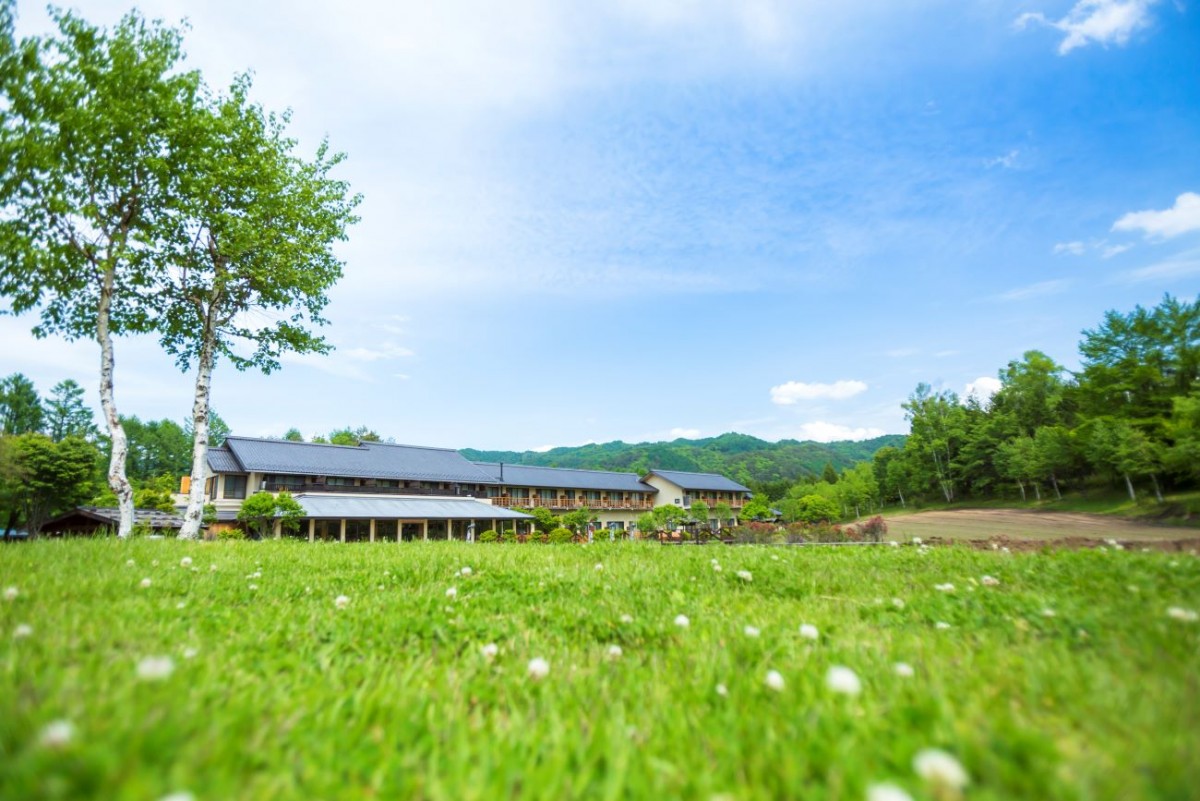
<point>747,459</point>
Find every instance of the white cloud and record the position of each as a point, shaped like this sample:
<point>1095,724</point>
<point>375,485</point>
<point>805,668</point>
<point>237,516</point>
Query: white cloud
<point>821,431</point>
<point>1181,218</point>
<point>795,391</point>
<point>361,354</point>
<point>1037,290</point>
<point>1007,161</point>
<point>983,388</point>
<point>1108,251</point>
<point>685,433</point>
<point>1104,22</point>
<point>1072,248</point>
<point>942,354</point>
<point>901,353</point>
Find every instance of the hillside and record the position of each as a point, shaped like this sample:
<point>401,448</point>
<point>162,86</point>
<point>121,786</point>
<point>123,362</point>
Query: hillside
<point>747,459</point>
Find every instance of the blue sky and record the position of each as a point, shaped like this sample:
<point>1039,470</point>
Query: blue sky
<point>659,219</point>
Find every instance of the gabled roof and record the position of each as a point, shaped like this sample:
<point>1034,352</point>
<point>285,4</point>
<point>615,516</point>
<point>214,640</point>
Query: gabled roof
<point>111,516</point>
<point>365,460</point>
<point>520,475</point>
<point>708,482</point>
<point>221,460</point>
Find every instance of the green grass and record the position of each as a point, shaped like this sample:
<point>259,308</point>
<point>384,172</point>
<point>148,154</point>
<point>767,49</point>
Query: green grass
<point>289,697</point>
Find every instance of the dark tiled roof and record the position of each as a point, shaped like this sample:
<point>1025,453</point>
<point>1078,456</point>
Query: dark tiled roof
<point>519,475</point>
<point>365,460</point>
<point>709,482</point>
<point>221,460</point>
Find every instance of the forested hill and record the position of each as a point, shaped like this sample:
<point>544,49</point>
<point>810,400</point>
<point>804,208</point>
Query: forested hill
<point>744,458</point>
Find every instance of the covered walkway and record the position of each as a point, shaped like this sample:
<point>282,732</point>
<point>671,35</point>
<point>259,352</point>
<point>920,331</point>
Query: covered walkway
<point>346,518</point>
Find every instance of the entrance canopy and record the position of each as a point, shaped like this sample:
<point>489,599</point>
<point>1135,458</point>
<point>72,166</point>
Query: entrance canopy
<point>342,507</point>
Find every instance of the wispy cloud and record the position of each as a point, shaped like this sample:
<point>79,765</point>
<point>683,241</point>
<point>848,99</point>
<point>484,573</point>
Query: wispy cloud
<point>685,433</point>
<point>1070,248</point>
<point>1040,289</point>
<point>1108,251</point>
<point>901,353</point>
<point>1007,161</point>
<point>795,391</point>
<point>1179,266</point>
<point>1104,22</point>
<point>1181,218</point>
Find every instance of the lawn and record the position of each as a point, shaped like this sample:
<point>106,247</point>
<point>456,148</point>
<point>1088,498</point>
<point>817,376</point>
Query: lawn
<point>1068,678</point>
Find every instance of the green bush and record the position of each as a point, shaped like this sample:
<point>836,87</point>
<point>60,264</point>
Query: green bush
<point>538,536</point>
<point>231,533</point>
<point>488,536</point>
<point>508,535</point>
<point>561,535</point>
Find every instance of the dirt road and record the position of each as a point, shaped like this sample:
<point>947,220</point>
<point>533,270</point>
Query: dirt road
<point>1023,526</point>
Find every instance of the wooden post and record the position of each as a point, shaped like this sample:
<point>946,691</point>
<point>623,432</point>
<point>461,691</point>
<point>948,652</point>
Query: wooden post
<point>312,529</point>
<point>343,530</point>
<point>425,530</point>
<point>372,529</point>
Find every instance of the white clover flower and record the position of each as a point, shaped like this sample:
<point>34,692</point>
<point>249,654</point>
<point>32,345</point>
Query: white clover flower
<point>887,792</point>
<point>940,769</point>
<point>898,603</point>
<point>466,571</point>
<point>627,618</point>
<point>941,624</point>
<point>989,581</point>
<point>22,631</point>
<point>712,561</point>
<point>185,561</point>
<point>722,690</point>
<point>155,668</point>
<point>716,567</point>
<point>682,621</point>
<point>1181,614</point>
<point>342,601</point>
<point>745,575</point>
<point>180,796</point>
<point>1048,612</point>
<point>538,668</point>
<point>1004,549</point>
<point>614,652</point>
<point>599,567</point>
<point>57,734</point>
<point>145,583</point>
<point>452,592</point>
<point>893,543</point>
<point>130,563</point>
<point>843,680</point>
<point>489,651</point>
<point>212,568</point>
<point>947,587</point>
<point>388,573</point>
<point>154,563</point>
<point>903,669</point>
<point>751,631</point>
<point>252,587</point>
<point>774,680</point>
<point>190,652</point>
<point>916,540</point>
<point>774,558</point>
<point>808,631</point>
<point>181,605</point>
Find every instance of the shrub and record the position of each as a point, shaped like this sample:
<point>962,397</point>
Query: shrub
<point>537,536</point>
<point>756,533</point>
<point>488,536</point>
<point>230,533</point>
<point>874,529</point>
<point>508,535</point>
<point>561,535</point>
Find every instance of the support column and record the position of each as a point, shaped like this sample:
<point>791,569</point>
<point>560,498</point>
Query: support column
<point>312,529</point>
<point>372,529</point>
<point>342,534</point>
<point>278,527</point>
<point>425,530</point>
<point>494,527</point>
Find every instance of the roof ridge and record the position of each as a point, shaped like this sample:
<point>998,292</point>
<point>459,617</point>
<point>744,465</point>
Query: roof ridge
<point>291,442</point>
<point>572,469</point>
<point>369,443</point>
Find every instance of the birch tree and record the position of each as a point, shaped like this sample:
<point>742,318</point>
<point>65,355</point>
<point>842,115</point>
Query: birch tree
<point>253,255</point>
<point>88,124</point>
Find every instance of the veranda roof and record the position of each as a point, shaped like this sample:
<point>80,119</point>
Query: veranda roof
<point>343,507</point>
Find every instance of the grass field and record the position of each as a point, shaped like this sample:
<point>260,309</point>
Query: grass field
<point>1027,524</point>
<point>1069,678</point>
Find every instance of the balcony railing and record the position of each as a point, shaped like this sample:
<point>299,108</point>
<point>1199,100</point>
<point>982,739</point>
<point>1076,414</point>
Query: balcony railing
<point>734,503</point>
<point>578,503</point>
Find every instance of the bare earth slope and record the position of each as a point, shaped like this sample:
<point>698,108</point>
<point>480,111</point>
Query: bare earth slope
<point>1031,526</point>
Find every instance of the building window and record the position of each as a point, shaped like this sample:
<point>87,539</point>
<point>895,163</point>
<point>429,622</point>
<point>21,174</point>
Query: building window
<point>339,481</point>
<point>274,483</point>
<point>235,487</point>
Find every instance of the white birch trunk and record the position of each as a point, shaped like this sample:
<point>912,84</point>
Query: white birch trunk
<point>1054,481</point>
<point>1129,486</point>
<point>900,492</point>
<point>194,515</point>
<point>1037,491</point>
<point>117,480</point>
<point>1158,496</point>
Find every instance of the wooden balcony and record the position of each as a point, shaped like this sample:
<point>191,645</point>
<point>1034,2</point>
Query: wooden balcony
<point>734,503</point>
<point>565,504</point>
